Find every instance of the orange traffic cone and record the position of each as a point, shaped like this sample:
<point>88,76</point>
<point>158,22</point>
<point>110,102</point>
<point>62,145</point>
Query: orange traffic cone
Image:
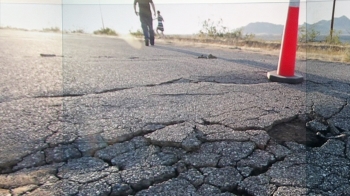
<point>286,64</point>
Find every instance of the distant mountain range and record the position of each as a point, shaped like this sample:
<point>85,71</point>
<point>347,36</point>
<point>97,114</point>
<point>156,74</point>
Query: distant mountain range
<point>323,26</point>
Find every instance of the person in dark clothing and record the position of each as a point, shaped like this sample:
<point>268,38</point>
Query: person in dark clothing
<point>145,14</point>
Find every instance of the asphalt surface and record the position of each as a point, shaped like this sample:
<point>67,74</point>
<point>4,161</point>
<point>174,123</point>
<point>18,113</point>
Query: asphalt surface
<point>101,117</point>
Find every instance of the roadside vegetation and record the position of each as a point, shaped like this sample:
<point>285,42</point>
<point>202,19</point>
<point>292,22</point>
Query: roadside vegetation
<point>77,31</point>
<point>51,29</point>
<point>14,28</point>
<point>346,57</point>
<point>216,30</point>
<point>106,31</point>
<point>311,44</point>
<point>137,33</point>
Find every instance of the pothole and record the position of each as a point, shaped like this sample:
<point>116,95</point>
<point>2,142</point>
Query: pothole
<point>295,131</point>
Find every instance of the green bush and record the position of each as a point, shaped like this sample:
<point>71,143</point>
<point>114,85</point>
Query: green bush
<point>105,31</point>
<point>78,31</point>
<point>335,39</point>
<point>51,29</point>
<point>137,33</point>
<point>308,35</point>
<point>235,34</point>
<point>214,30</point>
<point>249,36</point>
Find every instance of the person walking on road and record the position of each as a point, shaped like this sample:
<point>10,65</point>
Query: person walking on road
<point>160,26</point>
<point>145,14</point>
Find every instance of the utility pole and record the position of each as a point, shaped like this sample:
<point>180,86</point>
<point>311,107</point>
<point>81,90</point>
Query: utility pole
<point>103,25</point>
<point>332,21</point>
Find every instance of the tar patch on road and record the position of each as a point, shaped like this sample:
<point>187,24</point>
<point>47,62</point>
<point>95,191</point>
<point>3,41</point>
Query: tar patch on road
<point>295,131</point>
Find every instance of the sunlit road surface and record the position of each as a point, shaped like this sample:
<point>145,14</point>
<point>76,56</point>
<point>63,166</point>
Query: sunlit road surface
<point>85,113</point>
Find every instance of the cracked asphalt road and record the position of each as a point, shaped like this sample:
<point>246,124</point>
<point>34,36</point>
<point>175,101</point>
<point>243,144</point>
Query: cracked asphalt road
<point>104,118</point>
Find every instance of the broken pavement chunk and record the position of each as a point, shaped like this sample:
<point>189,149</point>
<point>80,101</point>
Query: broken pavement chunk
<point>47,55</point>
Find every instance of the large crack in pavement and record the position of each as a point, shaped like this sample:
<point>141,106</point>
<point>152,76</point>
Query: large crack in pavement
<point>204,155</point>
<point>194,135</point>
<point>178,80</point>
<point>325,120</point>
<point>174,81</point>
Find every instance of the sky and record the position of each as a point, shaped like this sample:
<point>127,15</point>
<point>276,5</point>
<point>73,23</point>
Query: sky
<point>180,16</point>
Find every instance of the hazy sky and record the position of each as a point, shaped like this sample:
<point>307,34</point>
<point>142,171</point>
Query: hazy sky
<point>128,1</point>
<point>181,16</point>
